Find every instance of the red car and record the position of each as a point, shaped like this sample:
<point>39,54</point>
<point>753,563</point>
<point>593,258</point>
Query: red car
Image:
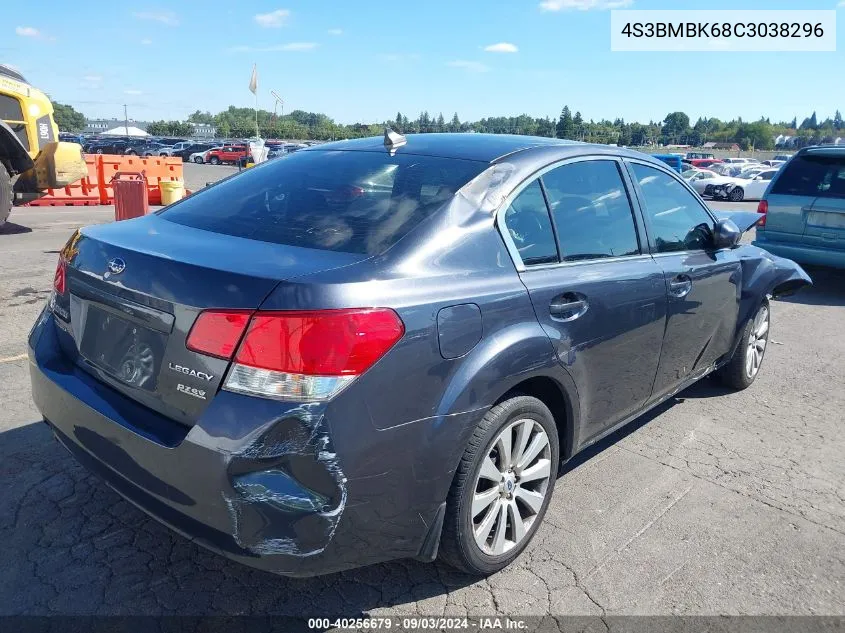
<point>230,154</point>
<point>704,162</point>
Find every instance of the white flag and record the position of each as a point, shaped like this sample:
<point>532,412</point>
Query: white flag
<point>253,81</point>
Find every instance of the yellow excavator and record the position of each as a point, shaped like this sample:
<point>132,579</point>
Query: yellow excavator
<point>32,159</point>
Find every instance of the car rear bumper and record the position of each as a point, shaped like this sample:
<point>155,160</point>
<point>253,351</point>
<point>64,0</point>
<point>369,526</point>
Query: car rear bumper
<point>802,253</point>
<point>255,480</point>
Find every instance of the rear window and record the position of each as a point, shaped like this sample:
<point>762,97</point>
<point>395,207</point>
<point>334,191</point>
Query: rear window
<point>808,175</point>
<point>353,202</point>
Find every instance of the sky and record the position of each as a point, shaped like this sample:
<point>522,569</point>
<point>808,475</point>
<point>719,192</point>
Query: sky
<point>364,61</point>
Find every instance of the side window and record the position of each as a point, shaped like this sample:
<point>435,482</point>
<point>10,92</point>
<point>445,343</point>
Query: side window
<point>591,209</point>
<point>677,220</point>
<point>528,223</point>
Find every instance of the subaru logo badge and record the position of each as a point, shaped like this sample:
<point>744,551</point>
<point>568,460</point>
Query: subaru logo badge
<point>116,266</point>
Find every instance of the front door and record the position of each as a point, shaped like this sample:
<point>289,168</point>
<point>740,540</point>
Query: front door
<point>702,284</point>
<point>600,298</point>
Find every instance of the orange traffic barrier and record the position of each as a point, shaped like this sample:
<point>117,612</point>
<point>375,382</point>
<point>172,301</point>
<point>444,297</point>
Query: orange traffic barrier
<point>155,168</point>
<point>96,187</point>
<point>83,192</point>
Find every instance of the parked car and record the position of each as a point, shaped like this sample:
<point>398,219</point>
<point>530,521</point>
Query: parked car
<point>149,149</point>
<point>200,156</point>
<point>738,161</point>
<point>187,151</point>
<point>371,351</point>
<point>172,150</point>
<point>704,162</point>
<point>783,157</point>
<point>803,208</point>
<point>114,146</point>
<point>673,160</point>
<point>227,154</point>
<point>700,178</point>
<point>755,186</point>
<point>699,155</point>
<point>774,163</point>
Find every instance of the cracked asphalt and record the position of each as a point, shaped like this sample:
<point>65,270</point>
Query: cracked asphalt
<point>714,503</point>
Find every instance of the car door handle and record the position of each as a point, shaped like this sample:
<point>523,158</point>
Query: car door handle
<point>568,306</point>
<point>680,286</point>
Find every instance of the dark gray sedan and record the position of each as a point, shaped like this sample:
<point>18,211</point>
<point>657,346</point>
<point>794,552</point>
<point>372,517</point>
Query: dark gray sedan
<point>384,348</point>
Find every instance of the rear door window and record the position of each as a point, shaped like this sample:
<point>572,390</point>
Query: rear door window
<point>529,226</point>
<point>591,210</point>
<point>812,175</point>
<point>353,202</point>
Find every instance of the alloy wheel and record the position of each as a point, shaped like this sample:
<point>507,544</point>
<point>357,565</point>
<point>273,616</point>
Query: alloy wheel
<point>511,486</point>
<point>757,339</point>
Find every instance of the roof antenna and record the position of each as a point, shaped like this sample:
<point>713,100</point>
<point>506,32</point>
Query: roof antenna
<point>393,141</point>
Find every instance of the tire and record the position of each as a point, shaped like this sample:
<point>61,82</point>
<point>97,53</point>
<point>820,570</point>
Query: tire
<point>744,366</point>
<point>99,151</point>
<point>214,160</point>
<point>5,195</point>
<point>475,481</point>
<point>198,160</point>
<point>736,194</point>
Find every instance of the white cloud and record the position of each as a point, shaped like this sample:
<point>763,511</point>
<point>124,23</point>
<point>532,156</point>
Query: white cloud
<point>274,19</point>
<point>132,91</point>
<point>167,18</point>
<point>501,47</point>
<point>292,46</point>
<point>146,41</point>
<point>27,31</point>
<point>469,66</point>
<point>583,5</point>
<point>340,31</point>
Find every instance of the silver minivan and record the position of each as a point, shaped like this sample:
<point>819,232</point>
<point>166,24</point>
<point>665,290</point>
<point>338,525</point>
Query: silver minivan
<point>804,208</point>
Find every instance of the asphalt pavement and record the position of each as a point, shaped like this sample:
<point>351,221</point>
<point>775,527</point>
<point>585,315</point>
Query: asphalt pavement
<point>714,503</point>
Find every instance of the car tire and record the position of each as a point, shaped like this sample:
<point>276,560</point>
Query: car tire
<point>478,505</point>
<point>736,194</point>
<point>214,160</point>
<point>198,160</point>
<point>99,151</point>
<point>5,195</point>
<point>742,369</point>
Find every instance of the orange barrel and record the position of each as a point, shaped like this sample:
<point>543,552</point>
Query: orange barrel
<point>130,195</point>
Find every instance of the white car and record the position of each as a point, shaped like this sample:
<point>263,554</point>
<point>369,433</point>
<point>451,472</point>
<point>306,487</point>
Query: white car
<point>168,150</point>
<point>774,163</point>
<point>199,157</point>
<point>700,178</point>
<point>737,161</point>
<point>756,187</point>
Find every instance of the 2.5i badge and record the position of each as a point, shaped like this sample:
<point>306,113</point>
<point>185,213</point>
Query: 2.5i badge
<point>191,391</point>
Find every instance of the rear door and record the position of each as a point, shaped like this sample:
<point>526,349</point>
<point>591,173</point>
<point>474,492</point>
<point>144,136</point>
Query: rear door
<point>600,298</point>
<point>702,284</point>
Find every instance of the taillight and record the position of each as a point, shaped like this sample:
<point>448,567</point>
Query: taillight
<point>311,355</point>
<point>763,209</point>
<point>217,332</point>
<point>59,279</point>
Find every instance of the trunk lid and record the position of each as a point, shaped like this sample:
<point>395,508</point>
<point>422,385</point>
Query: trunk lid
<point>135,288</point>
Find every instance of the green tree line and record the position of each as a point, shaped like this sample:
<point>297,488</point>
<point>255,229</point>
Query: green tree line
<point>674,128</point>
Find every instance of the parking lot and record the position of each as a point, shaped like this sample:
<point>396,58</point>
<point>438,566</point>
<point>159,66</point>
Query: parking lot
<point>714,503</point>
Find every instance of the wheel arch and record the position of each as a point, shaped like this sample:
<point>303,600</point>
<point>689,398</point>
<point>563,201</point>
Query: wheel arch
<point>13,154</point>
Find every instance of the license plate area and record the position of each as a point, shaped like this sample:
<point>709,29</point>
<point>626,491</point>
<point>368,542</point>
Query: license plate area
<point>126,351</point>
<point>826,219</point>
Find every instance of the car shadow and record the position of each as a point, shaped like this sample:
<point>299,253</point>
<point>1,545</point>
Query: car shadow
<point>828,288</point>
<point>10,228</point>
<point>78,548</point>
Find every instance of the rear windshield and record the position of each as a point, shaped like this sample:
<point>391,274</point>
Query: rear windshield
<point>808,175</point>
<point>353,202</point>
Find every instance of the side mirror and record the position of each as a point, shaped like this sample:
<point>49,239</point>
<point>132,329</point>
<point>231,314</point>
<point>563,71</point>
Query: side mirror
<point>726,234</point>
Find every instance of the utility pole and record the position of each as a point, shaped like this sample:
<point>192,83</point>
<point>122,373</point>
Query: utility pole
<point>126,119</point>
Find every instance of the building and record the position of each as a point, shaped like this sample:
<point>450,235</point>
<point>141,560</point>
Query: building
<point>100,126</point>
<point>204,130</point>
<point>733,147</point>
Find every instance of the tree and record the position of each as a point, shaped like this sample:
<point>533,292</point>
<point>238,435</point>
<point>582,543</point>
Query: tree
<point>440,126</point>
<point>68,119</point>
<point>398,122</point>
<point>564,127</point>
<point>201,117</point>
<point>455,123</point>
<point>577,126</point>
<point>837,121</point>
<point>675,125</point>
<point>172,128</point>
<point>810,123</point>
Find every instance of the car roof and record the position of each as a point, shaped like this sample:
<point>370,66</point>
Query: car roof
<point>824,150</point>
<point>481,147</point>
